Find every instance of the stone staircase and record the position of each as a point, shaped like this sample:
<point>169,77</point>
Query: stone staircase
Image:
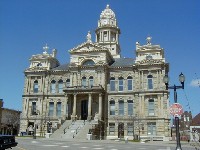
<point>73,130</point>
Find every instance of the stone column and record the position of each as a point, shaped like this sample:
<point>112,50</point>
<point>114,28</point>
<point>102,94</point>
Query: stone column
<point>89,107</point>
<point>100,106</point>
<point>65,109</point>
<point>74,108</point>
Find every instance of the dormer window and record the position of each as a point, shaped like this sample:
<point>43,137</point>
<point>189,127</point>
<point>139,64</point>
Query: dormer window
<point>39,65</point>
<point>89,63</point>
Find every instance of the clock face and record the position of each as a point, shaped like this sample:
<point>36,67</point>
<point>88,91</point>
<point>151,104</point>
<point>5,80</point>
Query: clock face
<point>105,22</point>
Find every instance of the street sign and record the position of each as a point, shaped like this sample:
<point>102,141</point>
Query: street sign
<point>176,109</point>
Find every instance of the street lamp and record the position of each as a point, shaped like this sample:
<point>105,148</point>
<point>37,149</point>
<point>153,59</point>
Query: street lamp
<point>166,81</point>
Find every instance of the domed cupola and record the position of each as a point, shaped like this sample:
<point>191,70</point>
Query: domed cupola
<point>107,18</point>
<point>107,32</point>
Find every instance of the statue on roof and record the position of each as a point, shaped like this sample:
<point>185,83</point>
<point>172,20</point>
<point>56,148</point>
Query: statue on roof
<point>45,48</point>
<point>89,37</point>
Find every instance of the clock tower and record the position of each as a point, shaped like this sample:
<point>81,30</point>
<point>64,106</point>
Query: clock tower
<point>107,32</point>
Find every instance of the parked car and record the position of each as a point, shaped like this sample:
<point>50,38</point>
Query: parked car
<point>7,141</point>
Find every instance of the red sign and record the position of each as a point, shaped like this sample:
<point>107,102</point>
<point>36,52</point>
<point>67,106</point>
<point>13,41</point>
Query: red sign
<point>176,109</point>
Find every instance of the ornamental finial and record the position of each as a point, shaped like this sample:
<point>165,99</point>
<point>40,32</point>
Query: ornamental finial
<point>45,48</point>
<point>149,40</point>
<point>107,6</point>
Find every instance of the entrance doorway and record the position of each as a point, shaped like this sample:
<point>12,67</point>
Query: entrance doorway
<point>84,109</point>
<point>121,130</point>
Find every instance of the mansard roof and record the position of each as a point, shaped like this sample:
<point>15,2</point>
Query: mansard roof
<point>61,67</point>
<point>123,62</point>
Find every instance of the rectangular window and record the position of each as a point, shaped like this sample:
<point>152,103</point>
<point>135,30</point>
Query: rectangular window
<point>91,82</point>
<point>151,107</point>
<point>112,129</point>
<point>51,108</point>
<point>112,107</point>
<point>121,108</point>
<point>112,85</point>
<point>33,109</point>
<point>130,107</point>
<point>130,84</point>
<point>53,88</point>
<point>121,85</point>
<point>84,82</point>
<point>130,129</point>
<point>58,109</point>
<point>151,128</point>
<point>150,84</point>
<point>35,88</point>
<point>68,83</point>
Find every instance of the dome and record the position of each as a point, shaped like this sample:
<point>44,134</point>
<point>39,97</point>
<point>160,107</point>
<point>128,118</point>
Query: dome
<point>107,13</point>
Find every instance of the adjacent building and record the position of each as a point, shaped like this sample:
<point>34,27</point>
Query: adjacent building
<point>126,95</point>
<point>9,120</point>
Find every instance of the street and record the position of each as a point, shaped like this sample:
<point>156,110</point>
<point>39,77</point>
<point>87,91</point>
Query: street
<point>48,144</point>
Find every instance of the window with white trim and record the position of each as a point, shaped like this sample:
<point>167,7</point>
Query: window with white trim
<point>130,83</point>
<point>58,109</point>
<point>68,83</point>
<point>121,84</point>
<point>60,86</point>
<point>51,108</point>
<point>121,107</point>
<point>84,81</point>
<point>112,107</point>
<point>91,81</point>
<point>53,86</point>
<point>150,82</point>
<point>35,86</point>
<point>151,107</point>
<point>130,107</point>
<point>112,84</point>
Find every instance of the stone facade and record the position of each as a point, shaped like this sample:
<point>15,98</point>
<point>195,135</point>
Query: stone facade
<point>126,95</point>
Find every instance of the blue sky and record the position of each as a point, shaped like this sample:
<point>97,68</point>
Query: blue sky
<point>27,25</point>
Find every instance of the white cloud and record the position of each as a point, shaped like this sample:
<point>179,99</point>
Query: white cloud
<point>195,83</point>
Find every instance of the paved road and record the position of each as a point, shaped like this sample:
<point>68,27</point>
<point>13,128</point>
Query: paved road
<point>46,144</point>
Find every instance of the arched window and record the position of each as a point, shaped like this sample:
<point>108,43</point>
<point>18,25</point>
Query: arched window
<point>89,63</point>
<point>35,86</point>
<point>68,83</point>
<point>91,81</point>
<point>83,81</point>
<point>112,84</point>
<point>112,107</point>
<point>130,83</point>
<point>53,86</point>
<point>150,82</point>
<point>121,84</point>
<point>151,107</point>
<point>121,107</point>
<point>60,86</point>
<point>130,107</point>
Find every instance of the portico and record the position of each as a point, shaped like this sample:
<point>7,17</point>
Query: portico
<point>84,103</point>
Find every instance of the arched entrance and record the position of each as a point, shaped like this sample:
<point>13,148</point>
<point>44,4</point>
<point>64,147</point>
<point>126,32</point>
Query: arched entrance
<point>84,109</point>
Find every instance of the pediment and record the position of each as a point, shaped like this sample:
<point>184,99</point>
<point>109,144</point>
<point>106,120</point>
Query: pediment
<point>36,68</point>
<point>149,61</point>
<point>88,47</point>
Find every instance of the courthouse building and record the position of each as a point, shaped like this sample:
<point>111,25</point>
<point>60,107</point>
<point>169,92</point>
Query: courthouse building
<point>125,96</point>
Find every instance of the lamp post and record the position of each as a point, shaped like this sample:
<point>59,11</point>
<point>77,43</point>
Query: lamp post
<point>182,80</point>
